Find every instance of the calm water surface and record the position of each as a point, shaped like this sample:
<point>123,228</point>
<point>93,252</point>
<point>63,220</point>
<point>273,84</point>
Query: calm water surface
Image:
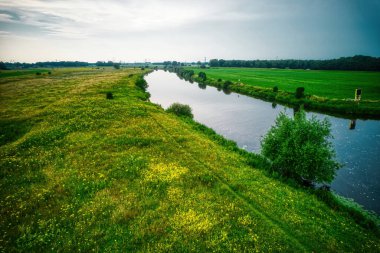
<point>246,120</point>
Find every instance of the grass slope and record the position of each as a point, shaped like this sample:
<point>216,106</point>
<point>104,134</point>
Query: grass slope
<point>81,173</point>
<point>329,84</point>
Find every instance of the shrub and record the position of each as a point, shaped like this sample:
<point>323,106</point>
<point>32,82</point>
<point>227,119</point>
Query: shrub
<point>38,73</point>
<point>300,148</point>
<point>141,83</point>
<point>227,84</point>
<point>219,80</point>
<point>180,110</point>
<point>202,75</point>
<point>116,65</point>
<point>300,92</point>
<point>109,95</point>
<point>49,72</point>
<point>275,89</point>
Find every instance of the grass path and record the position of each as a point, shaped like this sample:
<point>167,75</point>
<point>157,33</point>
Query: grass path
<point>271,222</point>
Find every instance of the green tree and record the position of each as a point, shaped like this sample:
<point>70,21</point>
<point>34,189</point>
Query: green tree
<point>3,66</point>
<point>301,149</point>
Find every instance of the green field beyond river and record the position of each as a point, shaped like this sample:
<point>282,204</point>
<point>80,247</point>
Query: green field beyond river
<point>324,83</point>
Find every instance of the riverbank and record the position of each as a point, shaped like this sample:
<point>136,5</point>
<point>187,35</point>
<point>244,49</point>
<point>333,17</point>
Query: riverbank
<point>325,91</point>
<point>82,172</point>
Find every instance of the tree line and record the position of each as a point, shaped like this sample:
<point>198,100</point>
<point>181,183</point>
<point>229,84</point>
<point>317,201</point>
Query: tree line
<point>357,62</point>
<point>47,64</point>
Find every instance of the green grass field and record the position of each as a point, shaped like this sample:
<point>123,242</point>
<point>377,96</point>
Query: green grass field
<point>329,84</point>
<point>80,172</point>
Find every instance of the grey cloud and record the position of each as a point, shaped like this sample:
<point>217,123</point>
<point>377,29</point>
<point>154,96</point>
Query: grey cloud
<point>164,29</point>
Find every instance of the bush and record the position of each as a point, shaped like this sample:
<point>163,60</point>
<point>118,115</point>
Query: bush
<point>227,84</point>
<point>38,73</point>
<point>180,110</point>
<point>300,92</point>
<point>141,83</point>
<point>275,89</point>
<point>202,75</point>
<point>116,65</point>
<point>300,148</point>
<point>109,95</point>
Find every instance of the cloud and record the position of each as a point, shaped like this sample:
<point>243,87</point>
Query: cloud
<point>4,17</point>
<point>4,33</point>
<point>188,29</point>
<point>89,18</point>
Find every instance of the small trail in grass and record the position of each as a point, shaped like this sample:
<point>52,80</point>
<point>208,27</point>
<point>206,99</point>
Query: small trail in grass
<point>247,202</point>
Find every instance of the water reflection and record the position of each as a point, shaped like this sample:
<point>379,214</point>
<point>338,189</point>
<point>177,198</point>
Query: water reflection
<point>352,124</point>
<point>245,120</point>
<point>296,109</point>
<point>202,86</point>
<point>227,91</point>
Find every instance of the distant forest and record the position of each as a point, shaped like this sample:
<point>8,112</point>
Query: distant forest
<point>47,64</point>
<point>358,62</point>
<point>59,64</point>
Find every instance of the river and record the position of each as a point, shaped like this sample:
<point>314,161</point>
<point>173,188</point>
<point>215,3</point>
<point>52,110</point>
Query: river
<point>246,120</point>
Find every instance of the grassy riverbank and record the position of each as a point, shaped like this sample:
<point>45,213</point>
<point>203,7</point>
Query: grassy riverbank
<point>80,172</point>
<point>331,91</point>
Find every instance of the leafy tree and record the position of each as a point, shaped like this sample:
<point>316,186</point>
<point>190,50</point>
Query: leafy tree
<point>3,66</point>
<point>214,63</point>
<point>300,148</point>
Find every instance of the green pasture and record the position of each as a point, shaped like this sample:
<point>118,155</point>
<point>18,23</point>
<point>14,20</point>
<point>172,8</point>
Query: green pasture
<point>323,83</point>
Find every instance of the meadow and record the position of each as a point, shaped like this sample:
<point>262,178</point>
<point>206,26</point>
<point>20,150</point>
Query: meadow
<point>324,83</point>
<point>325,90</point>
<point>80,172</point>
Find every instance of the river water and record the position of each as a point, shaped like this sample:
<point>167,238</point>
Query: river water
<point>246,120</point>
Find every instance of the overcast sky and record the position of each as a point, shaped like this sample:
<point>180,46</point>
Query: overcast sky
<point>187,30</point>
